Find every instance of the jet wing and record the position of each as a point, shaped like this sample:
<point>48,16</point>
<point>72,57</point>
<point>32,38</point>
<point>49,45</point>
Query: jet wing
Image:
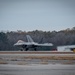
<point>45,44</point>
<point>20,42</point>
<point>26,43</point>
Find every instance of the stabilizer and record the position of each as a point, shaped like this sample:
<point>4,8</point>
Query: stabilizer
<point>29,38</point>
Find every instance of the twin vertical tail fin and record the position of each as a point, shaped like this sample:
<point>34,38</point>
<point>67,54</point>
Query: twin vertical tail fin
<point>29,39</point>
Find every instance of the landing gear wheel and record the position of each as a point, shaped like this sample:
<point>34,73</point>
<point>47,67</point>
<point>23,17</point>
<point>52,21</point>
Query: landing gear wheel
<point>35,49</point>
<point>26,49</point>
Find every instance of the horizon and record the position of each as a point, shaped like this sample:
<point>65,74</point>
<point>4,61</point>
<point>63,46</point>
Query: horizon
<point>35,30</point>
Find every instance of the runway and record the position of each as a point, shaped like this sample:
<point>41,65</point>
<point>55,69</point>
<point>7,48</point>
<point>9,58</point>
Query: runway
<point>34,57</point>
<point>37,63</point>
<point>35,52</point>
<point>37,69</point>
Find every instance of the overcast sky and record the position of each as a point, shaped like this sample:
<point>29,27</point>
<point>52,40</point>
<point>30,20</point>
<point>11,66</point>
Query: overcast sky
<point>29,15</point>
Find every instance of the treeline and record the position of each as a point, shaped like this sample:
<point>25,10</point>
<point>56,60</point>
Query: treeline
<point>63,37</point>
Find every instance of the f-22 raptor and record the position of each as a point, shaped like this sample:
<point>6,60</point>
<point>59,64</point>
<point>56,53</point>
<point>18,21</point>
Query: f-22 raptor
<point>30,44</point>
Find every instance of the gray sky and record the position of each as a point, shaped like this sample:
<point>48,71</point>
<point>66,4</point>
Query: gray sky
<point>28,15</point>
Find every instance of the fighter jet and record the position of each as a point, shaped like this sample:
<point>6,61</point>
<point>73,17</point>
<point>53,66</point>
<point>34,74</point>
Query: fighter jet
<point>30,44</point>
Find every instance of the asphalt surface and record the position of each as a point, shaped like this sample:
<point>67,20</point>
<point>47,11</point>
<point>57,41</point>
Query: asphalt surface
<point>16,63</point>
<point>36,52</point>
<point>31,58</point>
<point>37,69</point>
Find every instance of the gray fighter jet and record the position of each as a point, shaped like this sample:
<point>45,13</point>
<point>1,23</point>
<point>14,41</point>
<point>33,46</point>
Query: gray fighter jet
<point>30,44</point>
